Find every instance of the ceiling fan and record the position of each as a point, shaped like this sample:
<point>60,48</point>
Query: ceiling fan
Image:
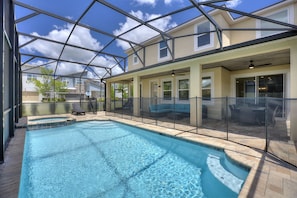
<point>252,65</point>
<point>178,73</point>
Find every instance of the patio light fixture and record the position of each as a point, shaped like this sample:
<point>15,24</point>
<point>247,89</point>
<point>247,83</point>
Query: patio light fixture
<point>251,66</point>
<point>172,74</point>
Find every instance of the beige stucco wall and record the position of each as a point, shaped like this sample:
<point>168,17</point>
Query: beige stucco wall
<point>221,79</point>
<point>243,36</point>
<point>152,53</point>
<point>221,88</point>
<point>184,46</point>
<point>225,82</point>
<point>131,65</point>
<point>30,96</point>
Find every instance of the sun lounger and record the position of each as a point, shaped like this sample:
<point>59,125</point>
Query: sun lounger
<point>76,109</point>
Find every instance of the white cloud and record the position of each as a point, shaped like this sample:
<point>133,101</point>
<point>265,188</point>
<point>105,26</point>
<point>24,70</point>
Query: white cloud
<point>169,2</point>
<point>229,4</point>
<point>65,68</point>
<point>142,33</point>
<point>233,3</point>
<point>80,37</point>
<point>154,2</point>
<point>146,2</point>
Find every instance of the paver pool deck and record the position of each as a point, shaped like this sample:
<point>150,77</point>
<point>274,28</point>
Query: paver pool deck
<point>269,177</point>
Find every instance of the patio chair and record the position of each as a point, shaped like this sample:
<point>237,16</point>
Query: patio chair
<point>247,116</point>
<point>271,116</point>
<point>128,104</point>
<point>77,109</point>
<point>234,112</point>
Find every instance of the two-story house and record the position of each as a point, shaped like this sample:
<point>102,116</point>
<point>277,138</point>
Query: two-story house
<point>29,91</point>
<point>77,85</point>
<point>217,55</point>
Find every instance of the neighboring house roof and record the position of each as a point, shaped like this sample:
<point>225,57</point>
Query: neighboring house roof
<point>94,84</point>
<point>30,69</point>
<point>78,75</point>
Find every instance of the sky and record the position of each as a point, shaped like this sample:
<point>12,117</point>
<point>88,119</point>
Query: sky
<point>103,18</point>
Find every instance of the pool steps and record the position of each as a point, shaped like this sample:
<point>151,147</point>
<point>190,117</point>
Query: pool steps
<point>228,179</point>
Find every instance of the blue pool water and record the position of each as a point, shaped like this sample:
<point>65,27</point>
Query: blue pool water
<point>109,159</point>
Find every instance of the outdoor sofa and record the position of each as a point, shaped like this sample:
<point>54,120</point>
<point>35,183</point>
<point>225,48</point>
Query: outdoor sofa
<point>183,110</point>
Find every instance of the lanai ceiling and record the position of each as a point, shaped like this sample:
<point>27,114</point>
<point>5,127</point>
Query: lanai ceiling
<point>91,36</point>
<point>260,60</point>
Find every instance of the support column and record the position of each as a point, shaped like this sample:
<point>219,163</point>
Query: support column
<point>2,144</point>
<point>293,92</point>
<point>136,96</point>
<point>195,95</point>
<point>108,96</point>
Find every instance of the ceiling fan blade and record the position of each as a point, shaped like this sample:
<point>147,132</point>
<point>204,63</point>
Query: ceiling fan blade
<point>261,65</point>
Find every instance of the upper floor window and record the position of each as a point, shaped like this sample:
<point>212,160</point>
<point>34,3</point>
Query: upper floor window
<point>135,58</point>
<point>204,38</point>
<point>167,90</point>
<point>183,89</point>
<point>31,77</point>
<point>206,88</point>
<point>65,81</point>
<point>163,50</point>
<point>282,16</point>
<point>78,81</point>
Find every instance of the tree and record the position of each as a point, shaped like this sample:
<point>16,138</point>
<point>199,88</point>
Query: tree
<point>48,84</point>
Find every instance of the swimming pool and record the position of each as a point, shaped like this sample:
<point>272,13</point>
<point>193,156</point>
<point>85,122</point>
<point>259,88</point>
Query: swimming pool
<point>109,159</point>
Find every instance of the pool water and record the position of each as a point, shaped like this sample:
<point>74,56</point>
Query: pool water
<point>109,159</point>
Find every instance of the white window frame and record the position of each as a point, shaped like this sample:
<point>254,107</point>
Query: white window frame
<point>159,50</point>
<point>135,57</point>
<point>290,19</point>
<point>78,81</point>
<point>211,37</point>
<point>177,87</point>
<point>32,76</point>
<point>212,91</point>
<point>66,81</point>
<point>172,88</point>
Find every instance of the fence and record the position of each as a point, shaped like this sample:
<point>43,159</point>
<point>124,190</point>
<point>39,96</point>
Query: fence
<point>269,124</point>
<point>263,123</point>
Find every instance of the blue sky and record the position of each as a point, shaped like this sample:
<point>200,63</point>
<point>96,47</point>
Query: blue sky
<point>106,19</point>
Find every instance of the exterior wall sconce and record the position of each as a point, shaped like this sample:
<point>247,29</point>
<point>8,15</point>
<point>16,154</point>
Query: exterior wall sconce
<point>251,66</point>
<point>172,73</point>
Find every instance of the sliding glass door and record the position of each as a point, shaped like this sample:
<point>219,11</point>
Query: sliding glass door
<point>252,89</point>
<point>271,86</point>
